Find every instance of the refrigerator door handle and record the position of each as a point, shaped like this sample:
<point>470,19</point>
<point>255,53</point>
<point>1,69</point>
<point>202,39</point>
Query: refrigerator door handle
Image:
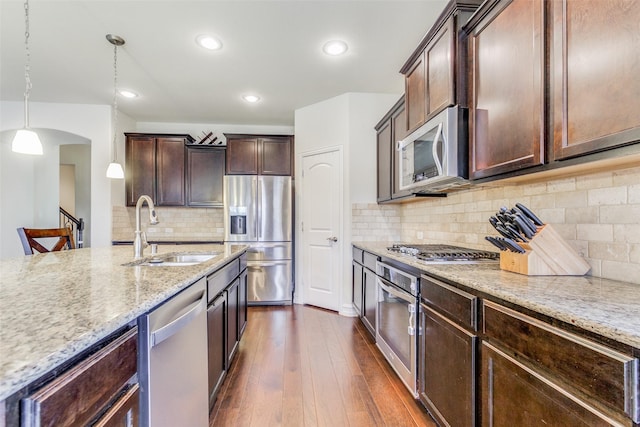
<point>259,214</point>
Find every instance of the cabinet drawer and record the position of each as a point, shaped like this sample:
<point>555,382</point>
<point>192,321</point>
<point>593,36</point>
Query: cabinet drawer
<point>77,396</point>
<point>357,254</point>
<point>370,260</point>
<point>457,305</point>
<point>125,412</point>
<point>219,280</point>
<point>602,373</point>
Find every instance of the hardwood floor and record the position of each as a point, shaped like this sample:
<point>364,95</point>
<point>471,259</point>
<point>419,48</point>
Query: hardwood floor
<point>304,366</point>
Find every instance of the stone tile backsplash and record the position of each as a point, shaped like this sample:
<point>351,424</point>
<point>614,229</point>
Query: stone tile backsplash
<point>176,224</point>
<point>598,214</point>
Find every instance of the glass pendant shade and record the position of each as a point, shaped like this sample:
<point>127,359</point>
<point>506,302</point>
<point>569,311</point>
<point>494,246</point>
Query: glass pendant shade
<point>27,142</point>
<point>115,171</point>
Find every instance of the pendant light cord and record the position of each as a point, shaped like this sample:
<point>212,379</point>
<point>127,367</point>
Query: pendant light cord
<point>115,102</point>
<point>27,65</point>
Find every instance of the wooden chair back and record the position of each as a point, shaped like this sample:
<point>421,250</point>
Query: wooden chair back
<point>28,238</point>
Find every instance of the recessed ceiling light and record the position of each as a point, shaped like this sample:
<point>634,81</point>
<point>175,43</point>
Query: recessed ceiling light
<point>128,94</point>
<point>208,42</point>
<point>251,98</point>
<point>335,47</point>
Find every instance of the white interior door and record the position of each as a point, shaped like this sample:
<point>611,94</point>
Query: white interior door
<point>321,226</point>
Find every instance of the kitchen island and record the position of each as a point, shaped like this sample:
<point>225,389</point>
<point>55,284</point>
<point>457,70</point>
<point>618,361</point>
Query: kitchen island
<point>55,306</point>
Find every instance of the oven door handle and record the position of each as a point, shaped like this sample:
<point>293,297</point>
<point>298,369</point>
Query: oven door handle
<point>393,291</point>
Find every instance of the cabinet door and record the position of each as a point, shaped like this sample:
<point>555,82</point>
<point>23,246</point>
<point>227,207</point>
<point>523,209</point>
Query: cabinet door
<point>216,342</point>
<point>275,156</point>
<point>370,289</point>
<point>170,171</point>
<point>232,320</point>
<point>205,174</point>
<point>415,96</point>
<point>513,394</point>
<point>125,412</point>
<point>384,143</point>
<point>356,287</point>
<point>506,99</point>
<point>439,59</point>
<point>242,303</point>
<point>447,370</point>
<point>140,168</point>
<point>399,132</point>
<point>242,156</point>
<point>80,394</point>
<point>594,75</point>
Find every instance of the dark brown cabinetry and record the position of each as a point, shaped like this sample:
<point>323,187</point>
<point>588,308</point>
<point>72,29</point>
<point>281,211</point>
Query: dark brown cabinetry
<point>435,72</point>
<point>155,166</point>
<point>506,87</point>
<point>390,130</point>
<point>447,353</point>
<point>205,174</point>
<point>259,155</point>
<point>226,320</point>
<point>364,287</point>
<point>534,373</point>
<point>595,63</point>
<point>98,390</point>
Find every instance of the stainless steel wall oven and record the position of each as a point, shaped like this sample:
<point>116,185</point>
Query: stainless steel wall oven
<point>397,321</point>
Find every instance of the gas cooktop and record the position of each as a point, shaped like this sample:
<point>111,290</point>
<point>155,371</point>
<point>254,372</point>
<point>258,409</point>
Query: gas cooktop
<point>443,254</point>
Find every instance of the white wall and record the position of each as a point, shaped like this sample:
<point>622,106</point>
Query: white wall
<point>347,121</point>
<point>23,180</point>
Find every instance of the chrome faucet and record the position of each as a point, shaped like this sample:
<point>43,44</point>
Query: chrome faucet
<point>140,240</point>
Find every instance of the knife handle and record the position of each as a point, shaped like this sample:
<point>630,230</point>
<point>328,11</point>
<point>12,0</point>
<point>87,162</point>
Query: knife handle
<point>530,214</point>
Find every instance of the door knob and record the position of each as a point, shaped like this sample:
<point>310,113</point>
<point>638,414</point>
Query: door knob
<point>332,239</point>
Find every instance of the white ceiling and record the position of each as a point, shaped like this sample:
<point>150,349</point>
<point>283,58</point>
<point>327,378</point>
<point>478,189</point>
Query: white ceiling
<point>271,48</point>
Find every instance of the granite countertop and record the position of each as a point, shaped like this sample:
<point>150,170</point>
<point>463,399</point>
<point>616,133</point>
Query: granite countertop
<point>606,307</point>
<point>53,306</point>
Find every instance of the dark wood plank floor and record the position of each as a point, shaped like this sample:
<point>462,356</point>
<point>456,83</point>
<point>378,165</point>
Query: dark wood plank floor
<point>304,366</point>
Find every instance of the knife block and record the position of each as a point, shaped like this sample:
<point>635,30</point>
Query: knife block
<point>547,254</point>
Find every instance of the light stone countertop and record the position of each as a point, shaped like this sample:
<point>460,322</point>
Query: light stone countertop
<point>606,307</point>
<point>53,306</point>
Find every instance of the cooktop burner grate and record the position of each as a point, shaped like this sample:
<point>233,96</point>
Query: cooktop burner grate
<point>444,253</point>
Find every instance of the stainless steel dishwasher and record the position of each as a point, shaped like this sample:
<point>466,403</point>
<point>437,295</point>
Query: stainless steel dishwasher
<point>173,361</point>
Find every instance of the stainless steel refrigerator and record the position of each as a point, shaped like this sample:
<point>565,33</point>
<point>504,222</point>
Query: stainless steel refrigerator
<point>258,212</point>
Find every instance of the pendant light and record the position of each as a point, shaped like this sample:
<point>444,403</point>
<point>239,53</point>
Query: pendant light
<point>115,169</point>
<point>26,141</point>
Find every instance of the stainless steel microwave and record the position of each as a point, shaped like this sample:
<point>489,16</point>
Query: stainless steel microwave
<point>435,156</point>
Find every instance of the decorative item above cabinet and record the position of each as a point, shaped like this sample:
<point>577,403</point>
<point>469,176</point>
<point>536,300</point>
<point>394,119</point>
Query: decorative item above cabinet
<point>435,74</point>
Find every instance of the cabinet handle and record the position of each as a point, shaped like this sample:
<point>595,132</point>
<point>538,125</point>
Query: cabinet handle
<point>332,239</point>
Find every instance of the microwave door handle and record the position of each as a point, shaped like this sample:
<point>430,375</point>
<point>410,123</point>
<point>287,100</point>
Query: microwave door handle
<point>437,141</point>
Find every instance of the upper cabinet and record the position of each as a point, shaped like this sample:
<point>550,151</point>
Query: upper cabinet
<point>551,83</point>
<point>506,88</point>
<point>259,155</point>
<point>155,166</point>
<point>595,64</point>
<point>173,171</point>
<point>435,72</point>
<point>205,174</point>
<point>391,129</point>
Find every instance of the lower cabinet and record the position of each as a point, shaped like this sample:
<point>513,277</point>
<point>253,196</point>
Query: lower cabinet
<point>447,353</point>
<point>226,320</point>
<point>534,373</point>
<point>447,370</point>
<point>233,304</point>
<point>364,287</point>
<point>216,330</point>
<point>515,395</point>
<point>100,390</point>
<point>370,291</point>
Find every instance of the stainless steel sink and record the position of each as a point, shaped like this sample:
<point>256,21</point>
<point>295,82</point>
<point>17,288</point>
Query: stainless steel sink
<point>176,260</point>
